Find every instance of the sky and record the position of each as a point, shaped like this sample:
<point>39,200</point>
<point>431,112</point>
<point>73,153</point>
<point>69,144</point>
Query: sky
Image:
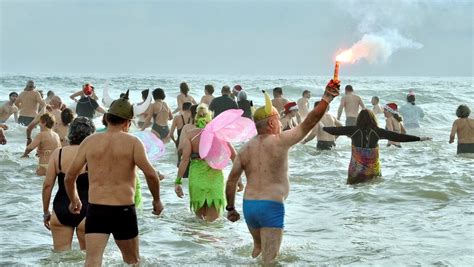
<point>232,37</point>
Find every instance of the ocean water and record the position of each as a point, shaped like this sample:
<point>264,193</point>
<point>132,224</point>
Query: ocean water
<point>420,213</point>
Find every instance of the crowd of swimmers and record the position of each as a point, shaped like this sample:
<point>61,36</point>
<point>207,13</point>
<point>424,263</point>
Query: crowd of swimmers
<point>95,169</point>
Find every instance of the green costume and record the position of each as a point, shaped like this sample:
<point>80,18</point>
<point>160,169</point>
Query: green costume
<point>138,192</point>
<point>206,186</point>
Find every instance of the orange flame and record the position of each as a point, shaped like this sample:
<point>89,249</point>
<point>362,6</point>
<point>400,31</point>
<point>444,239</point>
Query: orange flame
<point>345,56</point>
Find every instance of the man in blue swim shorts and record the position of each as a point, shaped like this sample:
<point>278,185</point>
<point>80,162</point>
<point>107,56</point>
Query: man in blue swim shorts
<point>264,159</point>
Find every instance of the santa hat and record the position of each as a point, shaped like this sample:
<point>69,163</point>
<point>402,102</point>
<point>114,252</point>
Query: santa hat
<point>289,107</point>
<point>238,88</point>
<point>392,108</point>
<point>88,89</point>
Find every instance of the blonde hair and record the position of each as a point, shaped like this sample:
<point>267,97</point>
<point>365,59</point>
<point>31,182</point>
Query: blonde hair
<point>203,115</point>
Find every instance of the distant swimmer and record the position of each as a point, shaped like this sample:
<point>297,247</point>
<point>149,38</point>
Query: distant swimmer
<point>264,159</point>
<point>393,121</point>
<point>54,108</point>
<point>46,141</point>
<point>206,185</point>
<point>62,127</point>
<point>351,104</point>
<point>278,100</point>
<point>376,107</point>
<point>87,105</point>
<point>87,90</point>
<point>111,159</point>
<point>224,102</point>
<point>8,108</point>
<point>326,141</point>
<point>303,104</point>
<point>365,163</point>
<point>183,135</point>
<point>142,117</point>
<point>291,117</point>
<point>180,120</point>
<point>464,128</point>
<point>412,114</point>
<point>244,104</point>
<point>49,96</point>
<point>236,90</point>
<point>207,97</point>
<point>61,221</point>
<point>161,114</point>
<point>183,97</point>
<point>29,102</point>
<point>3,139</point>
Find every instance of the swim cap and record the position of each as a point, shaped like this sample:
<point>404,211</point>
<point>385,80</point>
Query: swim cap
<point>122,108</point>
<point>88,89</point>
<point>289,107</point>
<point>266,111</point>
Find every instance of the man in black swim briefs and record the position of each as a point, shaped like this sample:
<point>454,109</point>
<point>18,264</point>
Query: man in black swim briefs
<point>111,157</point>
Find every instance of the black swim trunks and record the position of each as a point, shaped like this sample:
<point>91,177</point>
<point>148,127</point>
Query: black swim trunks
<point>121,221</point>
<point>25,120</point>
<point>325,145</point>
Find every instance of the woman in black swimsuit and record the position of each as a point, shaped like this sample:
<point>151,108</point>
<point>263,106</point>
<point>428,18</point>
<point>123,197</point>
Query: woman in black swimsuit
<point>61,222</point>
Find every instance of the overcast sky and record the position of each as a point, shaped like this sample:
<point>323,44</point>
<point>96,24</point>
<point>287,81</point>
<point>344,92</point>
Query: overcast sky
<point>231,37</point>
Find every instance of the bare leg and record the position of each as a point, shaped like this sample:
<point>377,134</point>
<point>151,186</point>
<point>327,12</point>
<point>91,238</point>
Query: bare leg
<point>62,234</point>
<point>271,241</point>
<point>129,249</point>
<point>257,242</point>
<point>95,246</point>
<point>200,213</point>
<point>211,213</point>
<point>80,233</point>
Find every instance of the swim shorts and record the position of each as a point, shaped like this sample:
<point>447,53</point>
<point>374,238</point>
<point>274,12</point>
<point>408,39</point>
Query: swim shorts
<point>325,145</point>
<point>121,221</point>
<point>264,213</point>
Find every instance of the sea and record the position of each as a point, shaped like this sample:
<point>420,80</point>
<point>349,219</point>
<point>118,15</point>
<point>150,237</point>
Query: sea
<point>421,212</point>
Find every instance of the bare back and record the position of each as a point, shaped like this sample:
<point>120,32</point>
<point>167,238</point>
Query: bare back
<point>29,102</point>
<point>265,179</point>
<point>465,130</point>
<point>207,99</point>
<point>161,112</point>
<point>111,164</point>
<point>351,105</point>
<point>279,103</point>
<point>327,121</point>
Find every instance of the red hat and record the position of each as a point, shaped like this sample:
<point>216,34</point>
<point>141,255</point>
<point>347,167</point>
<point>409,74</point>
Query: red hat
<point>290,107</point>
<point>238,88</point>
<point>391,107</point>
<point>88,89</point>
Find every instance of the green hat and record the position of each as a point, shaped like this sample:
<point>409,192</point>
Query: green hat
<point>122,108</point>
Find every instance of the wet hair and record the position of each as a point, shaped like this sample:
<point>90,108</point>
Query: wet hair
<point>209,88</point>
<point>114,120</point>
<point>366,119</point>
<point>187,105</point>
<point>305,92</point>
<point>145,94</point>
<point>225,90</point>
<point>159,93</point>
<point>193,110</point>
<point>349,88</point>
<point>376,98</point>
<point>48,119</point>
<point>316,103</point>
<point>463,111</point>
<point>80,128</point>
<point>278,91</point>
<point>411,99</point>
<point>13,93</point>
<point>184,88</point>
<point>50,93</point>
<point>67,116</point>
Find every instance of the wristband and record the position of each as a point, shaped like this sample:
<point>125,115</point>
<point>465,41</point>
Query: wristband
<point>229,208</point>
<point>178,181</point>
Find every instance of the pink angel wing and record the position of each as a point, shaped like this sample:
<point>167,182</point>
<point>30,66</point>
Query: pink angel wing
<point>205,142</point>
<point>219,154</point>
<point>241,129</point>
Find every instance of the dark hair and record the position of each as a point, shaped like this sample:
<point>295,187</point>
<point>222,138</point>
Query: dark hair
<point>50,93</point>
<point>316,103</point>
<point>225,90</point>
<point>48,119</point>
<point>114,120</point>
<point>463,111</point>
<point>159,93</point>
<point>397,117</point>
<point>187,105</point>
<point>13,93</point>
<point>278,90</point>
<point>305,92</point>
<point>184,88</point>
<point>67,116</point>
<point>193,110</point>
<point>145,94</point>
<point>209,88</point>
<point>349,88</point>
<point>366,119</point>
<point>411,99</point>
<point>80,128</point>
<point>376,98</point>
